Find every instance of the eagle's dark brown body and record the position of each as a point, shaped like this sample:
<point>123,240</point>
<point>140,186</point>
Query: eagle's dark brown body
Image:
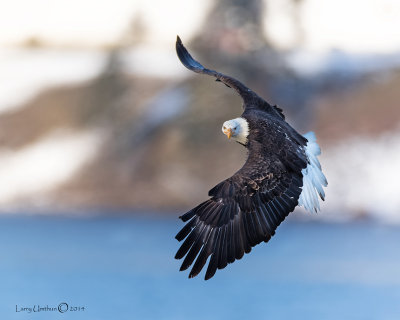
<point>245,209</point>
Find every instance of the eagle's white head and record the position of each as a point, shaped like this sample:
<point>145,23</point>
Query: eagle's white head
<point>238,129</point>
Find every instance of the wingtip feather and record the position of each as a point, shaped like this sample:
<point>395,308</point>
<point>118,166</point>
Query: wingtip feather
<point>185,57</point>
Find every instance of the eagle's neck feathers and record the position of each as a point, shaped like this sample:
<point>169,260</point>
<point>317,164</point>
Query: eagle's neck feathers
<point>243,131</point>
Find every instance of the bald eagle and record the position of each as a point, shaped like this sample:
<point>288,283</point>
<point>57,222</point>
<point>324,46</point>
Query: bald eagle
<point>281,172</point>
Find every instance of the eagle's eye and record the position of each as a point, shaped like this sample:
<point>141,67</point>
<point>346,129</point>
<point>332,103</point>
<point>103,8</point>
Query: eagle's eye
<point>224,127</point>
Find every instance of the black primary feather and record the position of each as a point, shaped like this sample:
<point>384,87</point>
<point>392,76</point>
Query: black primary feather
<point>186,59</point>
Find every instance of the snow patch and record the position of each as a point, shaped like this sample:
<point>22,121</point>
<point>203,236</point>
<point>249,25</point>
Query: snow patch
<point>24,73</point>
<point>46,164</point>
<point>364,177</point>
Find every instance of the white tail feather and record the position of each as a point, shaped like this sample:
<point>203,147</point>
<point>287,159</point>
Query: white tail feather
<point>313,178</point>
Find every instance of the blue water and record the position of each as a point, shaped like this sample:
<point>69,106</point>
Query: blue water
<point>123,268</point>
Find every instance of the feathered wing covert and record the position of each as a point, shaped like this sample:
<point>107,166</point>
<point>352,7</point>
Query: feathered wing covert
<point>243,211</point>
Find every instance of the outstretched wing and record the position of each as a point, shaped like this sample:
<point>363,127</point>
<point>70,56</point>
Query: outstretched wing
<point>242,212</point>
<point>188,61</point>
<point>250,98</point>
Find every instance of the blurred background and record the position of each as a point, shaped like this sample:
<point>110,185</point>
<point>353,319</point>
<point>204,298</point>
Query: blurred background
<point>105,139</point>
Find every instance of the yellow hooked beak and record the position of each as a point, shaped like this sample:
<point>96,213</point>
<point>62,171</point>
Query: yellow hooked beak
<point>228,133</point>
